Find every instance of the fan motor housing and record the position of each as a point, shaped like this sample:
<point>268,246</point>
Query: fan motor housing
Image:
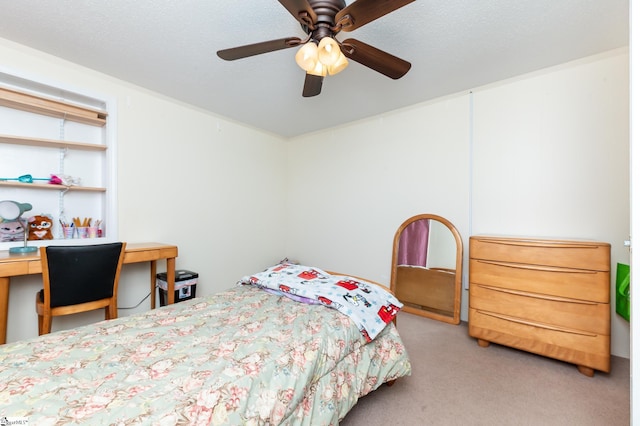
<point>327,8</point>
<point>326,11</point>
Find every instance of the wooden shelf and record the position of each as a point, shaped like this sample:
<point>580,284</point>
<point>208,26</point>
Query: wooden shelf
<point>39,104</point>
<point>52,143</point>
<point>13,184</point>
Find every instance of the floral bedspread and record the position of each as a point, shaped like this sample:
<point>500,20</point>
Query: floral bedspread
<point>243,356</point>
<point>369,305</point>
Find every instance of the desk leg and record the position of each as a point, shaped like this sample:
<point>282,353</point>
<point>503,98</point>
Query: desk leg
<point>171,280</point>
<point>153,284</point>
<point>4,308</point>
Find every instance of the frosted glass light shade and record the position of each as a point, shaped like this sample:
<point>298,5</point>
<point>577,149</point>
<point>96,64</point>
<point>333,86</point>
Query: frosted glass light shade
<point>319,70</point>
<point>328,51</point>
<point>307,56</point>
<point>339,65</point>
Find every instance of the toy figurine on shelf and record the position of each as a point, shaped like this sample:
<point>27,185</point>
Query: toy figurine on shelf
<point>66,180</point>
<point>11,230</point>
<point>11,211</point>
<point>25,179</point>
<point>40,227</point>
<point>54,179</point>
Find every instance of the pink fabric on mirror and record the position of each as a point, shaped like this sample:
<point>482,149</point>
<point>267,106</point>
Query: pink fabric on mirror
<point>412,247</point>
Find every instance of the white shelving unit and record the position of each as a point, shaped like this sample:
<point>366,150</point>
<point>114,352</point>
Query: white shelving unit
<point>48,130</point>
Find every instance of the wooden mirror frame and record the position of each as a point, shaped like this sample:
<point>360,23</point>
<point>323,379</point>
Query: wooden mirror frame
<point>454,318</point>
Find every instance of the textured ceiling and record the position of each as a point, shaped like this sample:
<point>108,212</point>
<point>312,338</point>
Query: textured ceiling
<point>169,47</point>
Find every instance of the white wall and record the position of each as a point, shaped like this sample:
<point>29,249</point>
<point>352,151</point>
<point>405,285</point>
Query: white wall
<point>350,188</point>
<point>551,158</point>
<point>185,177</point>
<point>543,155</point>
<point>226,194</point>
<point>634,42</point>
<point>442,247</point>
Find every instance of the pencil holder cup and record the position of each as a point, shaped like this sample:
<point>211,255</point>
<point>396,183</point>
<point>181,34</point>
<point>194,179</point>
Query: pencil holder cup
<point>68,232</point>
<point>83,231</point>
<point>92,232</point>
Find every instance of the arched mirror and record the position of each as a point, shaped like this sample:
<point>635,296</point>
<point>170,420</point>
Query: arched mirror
<point>426,268</point>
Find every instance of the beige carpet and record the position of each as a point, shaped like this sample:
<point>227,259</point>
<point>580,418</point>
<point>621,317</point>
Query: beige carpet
<point>456,382</point>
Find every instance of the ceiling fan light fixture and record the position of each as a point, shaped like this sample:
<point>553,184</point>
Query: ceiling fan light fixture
<point>320,70</point>
<point>321,53</point>
<point>307,56</point>
<point>339,65</point>
<point>328,51</point>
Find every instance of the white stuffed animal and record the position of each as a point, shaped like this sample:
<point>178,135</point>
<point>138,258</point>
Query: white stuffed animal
<point>12,230</point>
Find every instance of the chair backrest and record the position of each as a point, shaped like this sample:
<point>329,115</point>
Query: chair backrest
<point>79,274</point>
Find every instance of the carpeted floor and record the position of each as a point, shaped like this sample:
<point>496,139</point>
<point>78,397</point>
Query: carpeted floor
<point>456,382</point>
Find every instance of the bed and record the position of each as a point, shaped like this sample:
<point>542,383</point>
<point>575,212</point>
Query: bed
<point>242,356</point>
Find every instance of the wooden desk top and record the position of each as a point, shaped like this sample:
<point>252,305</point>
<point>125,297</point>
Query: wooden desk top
<point>13,264</point>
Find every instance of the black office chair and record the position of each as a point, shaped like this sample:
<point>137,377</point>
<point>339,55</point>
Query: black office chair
<point>78,279</point>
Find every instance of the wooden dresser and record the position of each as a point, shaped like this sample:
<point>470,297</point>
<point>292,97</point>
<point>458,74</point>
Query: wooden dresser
<point>549,297</point>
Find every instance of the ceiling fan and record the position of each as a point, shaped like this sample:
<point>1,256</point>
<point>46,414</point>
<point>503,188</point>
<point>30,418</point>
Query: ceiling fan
<point>321,53</point>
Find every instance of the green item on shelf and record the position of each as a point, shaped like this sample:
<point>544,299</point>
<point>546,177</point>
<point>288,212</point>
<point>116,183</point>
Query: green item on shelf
<point>623,303</point>
<point>25,179</point>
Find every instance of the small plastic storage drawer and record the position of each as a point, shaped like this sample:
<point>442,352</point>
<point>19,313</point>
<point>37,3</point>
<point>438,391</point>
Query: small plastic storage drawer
<point>185,286</point>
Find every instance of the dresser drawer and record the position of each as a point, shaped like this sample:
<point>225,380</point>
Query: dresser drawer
<point>577,315</point>
<point>569,254</point>
<point>584,349</point>
<point>579,284</point>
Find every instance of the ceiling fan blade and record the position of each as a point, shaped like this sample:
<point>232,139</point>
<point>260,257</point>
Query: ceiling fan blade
<point>312,85</point>
<point>376,59</point>
<point>301,10</point>
<point>361,12</point>
<point>258,48</point>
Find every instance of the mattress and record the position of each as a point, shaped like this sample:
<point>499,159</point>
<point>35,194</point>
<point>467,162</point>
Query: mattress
<point>242,356</point>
